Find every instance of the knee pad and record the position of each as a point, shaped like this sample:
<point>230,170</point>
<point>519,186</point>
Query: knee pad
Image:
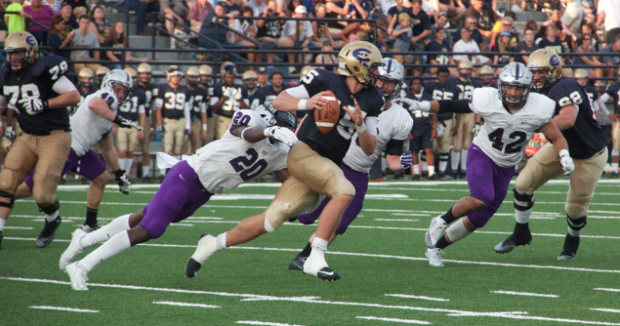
<point>50,209</point>
<point>281,211</point>
<point>577,224</point>
<point>523,202</point>
<point>5,194</point>
<point>578,205</point>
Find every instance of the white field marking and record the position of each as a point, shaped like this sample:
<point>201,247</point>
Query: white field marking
<point>600,289</point>
<point>604,217</point>
<point>527,294</point>
<point>519,316</point>
<point>268,298</point>
<point>266,323</point>
<point>396,320</point>
<point>185,304</point>
<point>606,310</point>
<point>181,224</point>
<point>408,296</point>
<point>603,212</point>
<point>18,228</point>
<point>63,309</point>
<point>396,220</point>
<point>409,214</point>
<point>467,190</point>
<point>205,218</point>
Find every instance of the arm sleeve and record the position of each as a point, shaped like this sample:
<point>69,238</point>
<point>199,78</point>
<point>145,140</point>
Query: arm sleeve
<point>394,147</point>
<point>298,92</point>
<point>602,106</point>
<point>187,112</point>
<point>141,109</point>
<point>457,106</point>
<point>63,85</point>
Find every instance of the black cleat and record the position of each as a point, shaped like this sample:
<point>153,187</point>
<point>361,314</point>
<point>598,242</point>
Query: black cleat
<point>47,235</point>
<point>1,237</point>
<point>447,177</point>
<point>327,274</point>
<point>146,179</point>
<point>519,237</point>
<point>416,177</point>
<point>298,263</point>
<point>434,177</point>
<point>571,244</point>
<point>192,268</point>
<point>463,175</point>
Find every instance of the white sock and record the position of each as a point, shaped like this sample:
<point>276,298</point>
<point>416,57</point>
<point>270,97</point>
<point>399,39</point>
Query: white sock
<point>425,166</point>
<point>523,217</point>
<point>121,162</point>
<point>457,231</point>
<point>320,244</point>
<point>117,225</point>
<point>416,169</point>
<point>431,170</point>
<point>128,164</point>
<point>51,217</point>
<point>464,160</point>
<point>442,166</point>
<point>573,232</point>
<point>117,244</point>
<point>455,157</point>
<point>145,170</point>
<point>614,167</point>
<point>2,223</point>
<point>221,241</point>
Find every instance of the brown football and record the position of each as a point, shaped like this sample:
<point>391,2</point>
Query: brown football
<point>327,118</point>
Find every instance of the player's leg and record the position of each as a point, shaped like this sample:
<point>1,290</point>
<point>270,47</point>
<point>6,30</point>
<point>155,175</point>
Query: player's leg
<point>469,121</point>
<point>195,141</point>
<point>427,144</point>
<point>94,169</point>
<point>53,151</point>
<point>121,145</point>
<point>583,182</point>
<point>615,152</point>
<point>179,137</point>
<point>132,142</point>
<point>415,145</point>
<point>457,146</point>
<point>145,144</point>
<point>542,167</point>
<point>168,139</point>
<point>443,146</point>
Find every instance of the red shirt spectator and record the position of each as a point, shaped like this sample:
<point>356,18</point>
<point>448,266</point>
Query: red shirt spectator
<point>198,10</point>
<point>42,14</point>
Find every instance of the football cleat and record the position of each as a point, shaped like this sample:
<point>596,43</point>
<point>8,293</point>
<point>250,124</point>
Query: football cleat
<point>206,248</point>
<point>434,257</point>
<point>434,177</point>
<point>298,263</point>
<point>317,266</point>
<point>78,276</point>
<point>517,238</point>
<point>47,235</point>
<point>74,249</point>
<point>571,244</point>
<point>327,274</point>
<point>1,237</point>
<point>435,230</point>
<point>416,177</point>
<point>88,229</point>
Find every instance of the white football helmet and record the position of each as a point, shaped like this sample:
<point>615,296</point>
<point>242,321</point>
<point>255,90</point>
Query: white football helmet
<point>120,83</point>
<point>515,74</point>
<point>273,117</point>
<point>391,73</point>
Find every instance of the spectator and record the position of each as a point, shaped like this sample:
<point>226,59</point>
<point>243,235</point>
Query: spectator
<point>421,24</point>
<point>551,42</point>
<point>597,44</point>
<point>248,28</point>
<point>85,39</point>
<point>485,17</point>
<point>142,7</point>
<point>334,10</point>
<point>320,28</point>
<point>556,17</point>
<point>572,15</point>
<point>198,10</point>
<point>568,44</point>
<point>232,8</point>
<point>66,12</point>
<point>262,77</point>
<point>208,28</point>
<point>612,61</point>
<point>304,37</point>
<point>16,22</point>
<point>291,5</point>
<point>175,10</point>
<point>394,12</point>
<point>609,17</point>
<point>386,5</point>
<point>78,7</point>
<point>54,4</point>
<point>42,14</point>
<point>455,14</point>
<point>402,34</point>
<point>533,25</point>
<point>440,44</point>
<point>472,24</point>
<point>271,30</point>
<point>326,58</point>
<point>468,45</point>
<point>99,25</point>
<point>58,40</point>
<point>118,40</point>
<point>505,24</point>
<point>363,8</point>
<point>503,45</point>
<point>257,6</point>
<point>440,23</point>
<point>526,46</point>
<point>586,47</point>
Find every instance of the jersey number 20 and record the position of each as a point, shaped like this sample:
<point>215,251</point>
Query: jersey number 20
<point>248,166</point>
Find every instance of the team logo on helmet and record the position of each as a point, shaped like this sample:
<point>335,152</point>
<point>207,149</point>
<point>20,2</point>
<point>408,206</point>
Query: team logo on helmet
<point>30,40</point>
<point>362,55</point>
<point>554,60</point>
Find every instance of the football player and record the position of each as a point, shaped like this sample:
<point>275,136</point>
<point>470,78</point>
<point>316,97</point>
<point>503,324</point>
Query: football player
<point>86,86</point>
<point>39,91</point>
<point>447,122</point>
<point>198,113</point>
<point>150,90</point>
<point>575,118</point>
<point>314,160</point>
<point>249,79</point>
<point>205,82</point>
<point>100,73</point>
<point>133,110</point>
<point>486,77</point>
<point>510,121</point>
<point>423,132</point>
<point>227,98</point>
<point>470,122</point>
<point>91,124</point>
<point>205,76</point>
<point>393,128</point>
<point>613,92</point>
<point>268,93</point>
<point>174,103</point>
<point>581,76</point>
<point>257,144</point>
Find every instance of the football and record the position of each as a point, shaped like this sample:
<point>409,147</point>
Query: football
<point>327,118</point>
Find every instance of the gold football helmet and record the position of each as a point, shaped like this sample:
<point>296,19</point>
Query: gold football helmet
<point>101,72</point>
<point>228,68</point>
<point>359,60</point>
<point>249,79</point>
<point>17,42</point>
<point>173,71</point>
<point>5,145</point>
<point>86,77</point>
<point>304,71</point>
<point>192,75</point>
<point>580,73</point>
<point>145,72</point>
<point>205,70</point>
<point>544,60</point>
<point>132,72</point>
<point>486,70</point>
<point>467,67</point>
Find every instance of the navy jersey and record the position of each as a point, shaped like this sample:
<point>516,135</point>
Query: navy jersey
<point>467,88</point>
<point>232,104</point>
<point>614,92</point>
<point>334,144</point>
<point>585,138</point>
<point>209,94</point>
<point>442,59</point>
<point>199,105</point>
<point>420,117</point>
<point>174,102</point>
<point>440,93</point>
<point>36,81</point>
<point>264,95</point>
<point>150,93</point>
<point>132,108</point>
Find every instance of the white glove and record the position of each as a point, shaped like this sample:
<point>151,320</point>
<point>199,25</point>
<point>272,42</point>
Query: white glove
<point>33,105</point>
<point>476,129</point>
<point>123,181</point>
<point>440,129</point>
<point>283,135</point>
<point>230,93</point>
<point>567,162</point>
<point>125,123</point>
<point>413,104</point>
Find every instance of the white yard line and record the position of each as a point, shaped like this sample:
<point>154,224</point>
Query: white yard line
<point>266,323</point>
<point>410,214</point>
<point>518,316</point>
<point>18,228</point>
<point>527,294</point>
<point>396,320</point>
<point>185,304</point>
<point>396,220</point>
<point>63,309</point>
<point>607,289</point>
<point>606,310</point>
<point>181,224</point>
<point>408,296</point>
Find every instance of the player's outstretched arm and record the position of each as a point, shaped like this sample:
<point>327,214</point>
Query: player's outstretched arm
<point>368,141</point>
<point>554,135</point>
<point>454,106</point>
<point>101,108</point>
<point>109,153</point>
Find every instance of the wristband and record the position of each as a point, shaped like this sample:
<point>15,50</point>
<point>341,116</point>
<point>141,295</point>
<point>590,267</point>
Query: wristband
<point>204,126</point>
<point>119,173</point>
<point>301,105</point>
<point>564,152</point>
<point>360,129</point>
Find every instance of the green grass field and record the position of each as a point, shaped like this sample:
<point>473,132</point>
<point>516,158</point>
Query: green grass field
<point>386,279</point>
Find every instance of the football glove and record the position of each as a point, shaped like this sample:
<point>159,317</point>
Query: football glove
<point>34,105</point>
<point>10,133</point>
<point>123,181</point>
<point>441,128</point>
<point>567,162</point>
<point>413,104</point>
<point>406,160</point>
<point>283,135</point>
<point>161,130</point>
<point>124,123</point>
<point>186,135</point>
<point>230,93</point>
<point>476,129</point>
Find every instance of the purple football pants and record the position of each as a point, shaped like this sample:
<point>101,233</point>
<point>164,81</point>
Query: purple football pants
<point>89,165</point>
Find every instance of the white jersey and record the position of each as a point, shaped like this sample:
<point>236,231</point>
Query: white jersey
<point>87,128</point>
<point>226,163</point>
<point>503,136</point>
<point>393,124</point>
